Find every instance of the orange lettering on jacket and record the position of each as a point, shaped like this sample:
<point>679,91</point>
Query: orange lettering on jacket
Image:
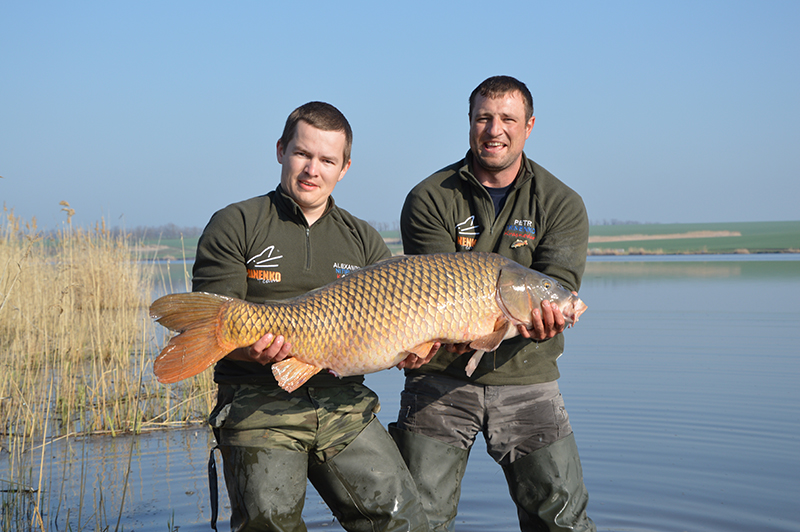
<point>466,241</point>
<point>265,276</point>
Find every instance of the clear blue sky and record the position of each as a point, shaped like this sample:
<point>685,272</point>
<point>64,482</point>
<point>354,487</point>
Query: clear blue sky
<point>149,113</point>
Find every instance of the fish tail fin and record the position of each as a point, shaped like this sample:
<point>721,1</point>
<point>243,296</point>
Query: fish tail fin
<point>196,317</point>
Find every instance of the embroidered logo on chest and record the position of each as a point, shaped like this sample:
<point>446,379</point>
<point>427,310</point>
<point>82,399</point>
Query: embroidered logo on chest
<point>263,267</point>
<point>343,269</point>
<point>522,231</point>
<point>467,233</point>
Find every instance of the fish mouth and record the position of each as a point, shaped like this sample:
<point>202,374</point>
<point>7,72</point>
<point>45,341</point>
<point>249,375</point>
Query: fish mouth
<point>578,308</point>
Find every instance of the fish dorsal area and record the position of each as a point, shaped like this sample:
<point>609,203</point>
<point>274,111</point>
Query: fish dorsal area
<point>402,300</point>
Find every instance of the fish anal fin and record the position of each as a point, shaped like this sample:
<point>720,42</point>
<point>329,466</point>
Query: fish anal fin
<point>292,373</point>
<point>422,349</point>
<point>473,362</point>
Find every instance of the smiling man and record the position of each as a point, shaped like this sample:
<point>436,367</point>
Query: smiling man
<point>498,200</point>
<point>276,246</point>
<point>499,127</point>
<point>312,162</point>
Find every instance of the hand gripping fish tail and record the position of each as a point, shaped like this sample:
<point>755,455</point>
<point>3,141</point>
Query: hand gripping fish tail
<point>366,321</point>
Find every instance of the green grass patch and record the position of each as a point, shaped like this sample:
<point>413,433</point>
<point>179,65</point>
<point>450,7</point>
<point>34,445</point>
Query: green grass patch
<point>734,237</point>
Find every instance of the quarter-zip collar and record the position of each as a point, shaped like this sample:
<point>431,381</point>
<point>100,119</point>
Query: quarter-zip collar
<point>488,218</point>
<point>525,171</point>
<point>288,206</point>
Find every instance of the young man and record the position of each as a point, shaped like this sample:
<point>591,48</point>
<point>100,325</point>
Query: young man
<point>498,200</point>
<point>283,244</point>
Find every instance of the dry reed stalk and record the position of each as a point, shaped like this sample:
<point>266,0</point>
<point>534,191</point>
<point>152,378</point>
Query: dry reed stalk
<point>76,348</point>
<point>76,307</point>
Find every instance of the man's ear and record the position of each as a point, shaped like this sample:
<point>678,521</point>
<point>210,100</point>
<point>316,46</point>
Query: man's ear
<point>345,169</point>
<point>529,126</point>
<point>279,150</point>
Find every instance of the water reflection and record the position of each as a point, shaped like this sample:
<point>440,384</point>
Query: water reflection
<point>680,380</point>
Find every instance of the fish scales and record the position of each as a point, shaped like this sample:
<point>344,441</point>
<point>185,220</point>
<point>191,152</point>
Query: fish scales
<point>366,321</point>
<point>340,321</point>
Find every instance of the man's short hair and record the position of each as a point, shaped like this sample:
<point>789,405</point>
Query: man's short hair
<point>322,116</point>
<point>498,86</point>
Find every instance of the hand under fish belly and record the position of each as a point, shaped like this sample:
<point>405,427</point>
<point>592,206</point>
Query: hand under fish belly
<point>367,321</point>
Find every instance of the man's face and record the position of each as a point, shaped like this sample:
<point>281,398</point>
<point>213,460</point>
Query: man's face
<point>498,130</point>
<point>312,164</point>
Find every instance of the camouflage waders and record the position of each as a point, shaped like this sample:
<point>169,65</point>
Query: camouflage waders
<point>272,441</point>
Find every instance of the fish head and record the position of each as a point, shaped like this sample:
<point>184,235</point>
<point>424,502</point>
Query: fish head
<point>520,290</point>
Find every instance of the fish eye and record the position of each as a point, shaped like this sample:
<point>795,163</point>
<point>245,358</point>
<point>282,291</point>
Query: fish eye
<point>547,284</point>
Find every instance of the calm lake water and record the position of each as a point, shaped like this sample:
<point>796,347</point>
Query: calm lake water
<point>682,382</point>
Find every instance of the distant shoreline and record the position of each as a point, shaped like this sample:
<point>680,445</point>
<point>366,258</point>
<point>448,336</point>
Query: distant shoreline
<point>671,236</point>
<point>594,252</point>
<point>736,238</point>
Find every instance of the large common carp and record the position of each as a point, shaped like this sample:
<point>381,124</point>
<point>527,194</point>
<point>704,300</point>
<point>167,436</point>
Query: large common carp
<point>366,321</point>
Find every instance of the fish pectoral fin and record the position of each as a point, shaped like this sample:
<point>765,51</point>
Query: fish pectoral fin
<point>422,349</point>
<point>490,342</point>
<point>473,362</point>
<point>493,339</point>
<point>292,373</point>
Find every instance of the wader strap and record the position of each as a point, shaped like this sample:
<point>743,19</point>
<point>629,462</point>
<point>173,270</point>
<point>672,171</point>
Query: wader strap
<point>213,488</point>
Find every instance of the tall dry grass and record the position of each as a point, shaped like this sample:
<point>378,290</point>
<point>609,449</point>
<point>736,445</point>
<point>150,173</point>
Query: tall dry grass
<point>76,350</point>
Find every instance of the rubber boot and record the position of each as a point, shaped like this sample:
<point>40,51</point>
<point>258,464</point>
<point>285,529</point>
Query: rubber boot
<point>547,487</point>
<point>437,469</point>
<point>266,487</point>
<point>367,485</point>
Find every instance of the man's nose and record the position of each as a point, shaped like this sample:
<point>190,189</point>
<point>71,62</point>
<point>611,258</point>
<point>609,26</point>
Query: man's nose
<point>312,167</point>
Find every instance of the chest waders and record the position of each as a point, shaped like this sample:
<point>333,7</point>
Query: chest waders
<point>437,469</point>
<point>367,486</point>
<point>546,485</point>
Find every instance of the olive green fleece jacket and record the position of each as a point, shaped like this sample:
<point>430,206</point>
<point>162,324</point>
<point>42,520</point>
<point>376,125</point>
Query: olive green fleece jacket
<point>543,225</point>
<point>262,249</point>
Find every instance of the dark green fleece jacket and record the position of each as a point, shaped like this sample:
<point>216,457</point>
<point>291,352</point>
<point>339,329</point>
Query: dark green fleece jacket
<point>262,249</point>
<point>543,225</point>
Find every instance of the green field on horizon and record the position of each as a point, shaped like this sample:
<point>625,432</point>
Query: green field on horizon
<point>737,237</point>
<point>732,237</point>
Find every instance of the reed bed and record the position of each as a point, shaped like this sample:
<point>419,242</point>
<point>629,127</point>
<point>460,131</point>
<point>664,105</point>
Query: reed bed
<point>76,351</point>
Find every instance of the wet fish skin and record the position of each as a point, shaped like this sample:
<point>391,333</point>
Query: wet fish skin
<point>365,322</point>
